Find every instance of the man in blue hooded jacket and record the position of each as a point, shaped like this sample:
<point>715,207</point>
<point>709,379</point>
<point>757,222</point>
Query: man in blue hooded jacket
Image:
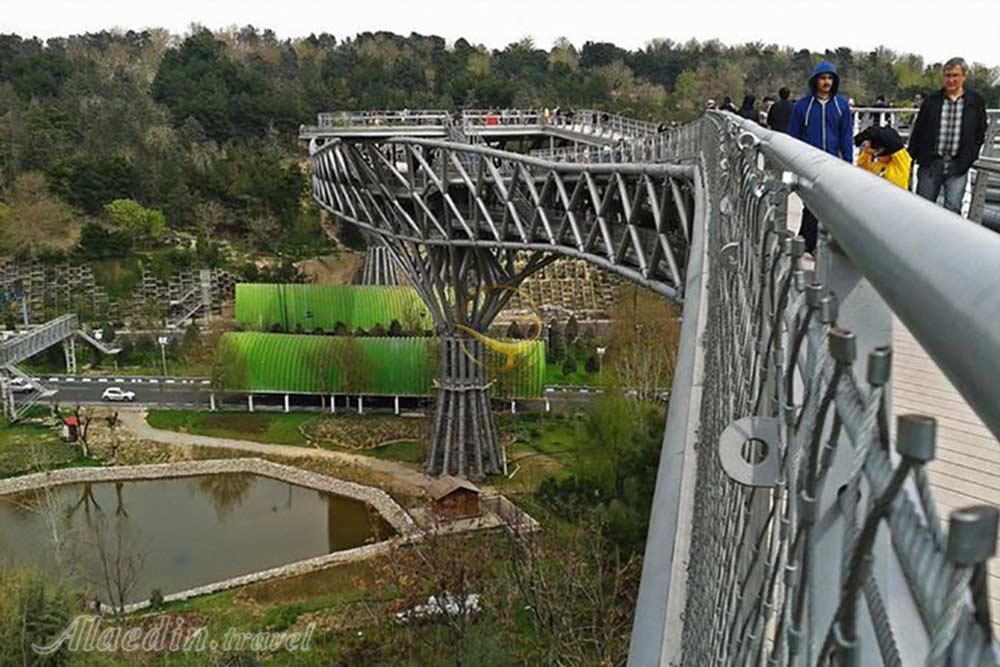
<point>822,119</point>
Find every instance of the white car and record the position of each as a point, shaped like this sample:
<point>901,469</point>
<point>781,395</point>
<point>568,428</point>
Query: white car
<point>21,386</point>
<point>117,394</point>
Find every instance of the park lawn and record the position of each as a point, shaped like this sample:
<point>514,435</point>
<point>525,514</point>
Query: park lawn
<point>30,447</point>
<point>540,447</point>
<point>281,428</point>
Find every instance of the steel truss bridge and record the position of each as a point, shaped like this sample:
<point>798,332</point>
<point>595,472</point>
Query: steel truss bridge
<point>792,523</point>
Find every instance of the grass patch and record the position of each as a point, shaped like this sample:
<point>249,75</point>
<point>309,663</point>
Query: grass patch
<point>539,447</point>
<point>29,447</point>
<point>272,428</point>
<point>409,451</point>
<point>579,378</point>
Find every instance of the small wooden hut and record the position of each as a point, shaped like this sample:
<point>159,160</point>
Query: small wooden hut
<point>454,498</point>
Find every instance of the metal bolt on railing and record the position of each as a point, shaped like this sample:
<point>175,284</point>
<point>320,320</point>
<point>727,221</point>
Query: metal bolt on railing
<point>972,535</point>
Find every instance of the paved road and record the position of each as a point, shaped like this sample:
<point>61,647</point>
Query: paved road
<point>177,392</point>
<point>195,393</point>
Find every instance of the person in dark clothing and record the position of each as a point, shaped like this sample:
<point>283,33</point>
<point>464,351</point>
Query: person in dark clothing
<point>749,110</point>
<point>947,135</point>
<point>727,105</point>
<point>823,120</point>
<point>781,112</point>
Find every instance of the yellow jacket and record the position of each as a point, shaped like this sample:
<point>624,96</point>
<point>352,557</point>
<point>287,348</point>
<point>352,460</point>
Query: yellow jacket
<point>895,171</point>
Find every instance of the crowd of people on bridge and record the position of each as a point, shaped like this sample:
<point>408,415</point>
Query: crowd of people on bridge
<point>945,139</point>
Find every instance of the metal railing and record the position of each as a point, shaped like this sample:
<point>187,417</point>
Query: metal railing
<point>33,340</point>
<point>985,206</point>
<point>404,118</point>
<point>778,469</point>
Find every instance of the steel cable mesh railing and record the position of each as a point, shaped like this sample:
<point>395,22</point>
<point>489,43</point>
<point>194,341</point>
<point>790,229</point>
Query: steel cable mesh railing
<point>759,588</point>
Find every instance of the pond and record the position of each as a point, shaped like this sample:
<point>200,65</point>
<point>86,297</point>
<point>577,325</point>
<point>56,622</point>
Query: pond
<point>122,540</point>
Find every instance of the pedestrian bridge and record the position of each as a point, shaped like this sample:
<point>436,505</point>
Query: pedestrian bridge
<point>830,474</point>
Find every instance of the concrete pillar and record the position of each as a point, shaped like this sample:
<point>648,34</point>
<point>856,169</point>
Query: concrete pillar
<point>286,402</point>
<point>333,404</point>
<point>211,401</point>
<point>250,402</point>
<point>513,408</point>
<point>397,405</point>
<point>361,406</point>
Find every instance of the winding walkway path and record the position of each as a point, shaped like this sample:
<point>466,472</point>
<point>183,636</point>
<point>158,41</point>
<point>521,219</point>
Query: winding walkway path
<point>135,421</point>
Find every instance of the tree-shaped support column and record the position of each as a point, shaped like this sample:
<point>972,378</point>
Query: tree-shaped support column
<point>464,438</point>
<point>465,289</point>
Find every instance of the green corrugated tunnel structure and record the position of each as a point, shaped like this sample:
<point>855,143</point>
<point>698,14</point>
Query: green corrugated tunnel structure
<point>303,364</point>
<point>309,308</point>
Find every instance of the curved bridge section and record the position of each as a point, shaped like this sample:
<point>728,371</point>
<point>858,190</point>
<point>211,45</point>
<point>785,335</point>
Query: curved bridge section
<point>793,523</point>
<point>635,220</point>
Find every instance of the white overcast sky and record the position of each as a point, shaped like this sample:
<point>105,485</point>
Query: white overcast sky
<point>935,29</point>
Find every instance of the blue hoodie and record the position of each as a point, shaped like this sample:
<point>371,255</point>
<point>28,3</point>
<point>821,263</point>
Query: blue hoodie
<point>829,127</point>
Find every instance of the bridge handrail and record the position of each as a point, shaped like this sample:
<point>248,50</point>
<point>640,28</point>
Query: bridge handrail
<point>930,265</point>
<point>403,118</point>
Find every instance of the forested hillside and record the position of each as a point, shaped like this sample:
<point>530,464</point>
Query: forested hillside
<point>113,143</point>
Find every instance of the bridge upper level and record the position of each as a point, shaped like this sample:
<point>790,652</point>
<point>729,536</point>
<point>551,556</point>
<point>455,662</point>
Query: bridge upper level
<point>588,126</point>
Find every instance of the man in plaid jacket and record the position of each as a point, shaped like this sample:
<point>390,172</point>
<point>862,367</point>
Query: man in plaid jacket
<point>947,135</point>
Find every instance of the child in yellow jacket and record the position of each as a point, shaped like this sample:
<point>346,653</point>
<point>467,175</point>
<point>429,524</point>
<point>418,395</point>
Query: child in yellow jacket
<point>882,153</point>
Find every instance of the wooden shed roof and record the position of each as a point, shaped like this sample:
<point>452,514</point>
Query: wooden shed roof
<point>444,486</point>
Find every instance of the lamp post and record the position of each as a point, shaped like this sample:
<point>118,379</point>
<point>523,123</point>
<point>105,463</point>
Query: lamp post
<point>162,340</point>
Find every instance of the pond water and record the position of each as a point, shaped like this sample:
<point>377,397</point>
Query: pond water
<point>175,534</point>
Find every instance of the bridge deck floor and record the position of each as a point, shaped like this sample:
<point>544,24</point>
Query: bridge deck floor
<point>966,470</point>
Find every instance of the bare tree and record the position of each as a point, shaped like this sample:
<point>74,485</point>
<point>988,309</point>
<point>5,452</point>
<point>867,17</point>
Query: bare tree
<point>579,591</point>
<point>440,580</point>
<point>83,421</point>
<point>113,436</point>
<point>119,558</point>
<point>643,346</point>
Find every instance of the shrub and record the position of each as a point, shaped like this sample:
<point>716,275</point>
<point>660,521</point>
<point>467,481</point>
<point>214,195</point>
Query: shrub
<point>569,366</point>
<point>556,349</point>
<point>593,363</point>
<point>33,610</point>
<point>156,598</point>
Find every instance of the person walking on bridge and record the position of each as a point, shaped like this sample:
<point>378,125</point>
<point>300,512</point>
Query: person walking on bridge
<point>947,135</point>
<point>823,120</point>
<point>780,112</point>
<point>883,154</point>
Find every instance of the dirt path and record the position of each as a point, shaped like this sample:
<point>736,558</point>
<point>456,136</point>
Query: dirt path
<point>135,421</point>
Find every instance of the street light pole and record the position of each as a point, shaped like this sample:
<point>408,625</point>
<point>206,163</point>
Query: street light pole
<point>162,340</point>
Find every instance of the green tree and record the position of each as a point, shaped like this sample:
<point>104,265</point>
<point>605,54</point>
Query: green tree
<point>144,226</point>
<point>230,369</point>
